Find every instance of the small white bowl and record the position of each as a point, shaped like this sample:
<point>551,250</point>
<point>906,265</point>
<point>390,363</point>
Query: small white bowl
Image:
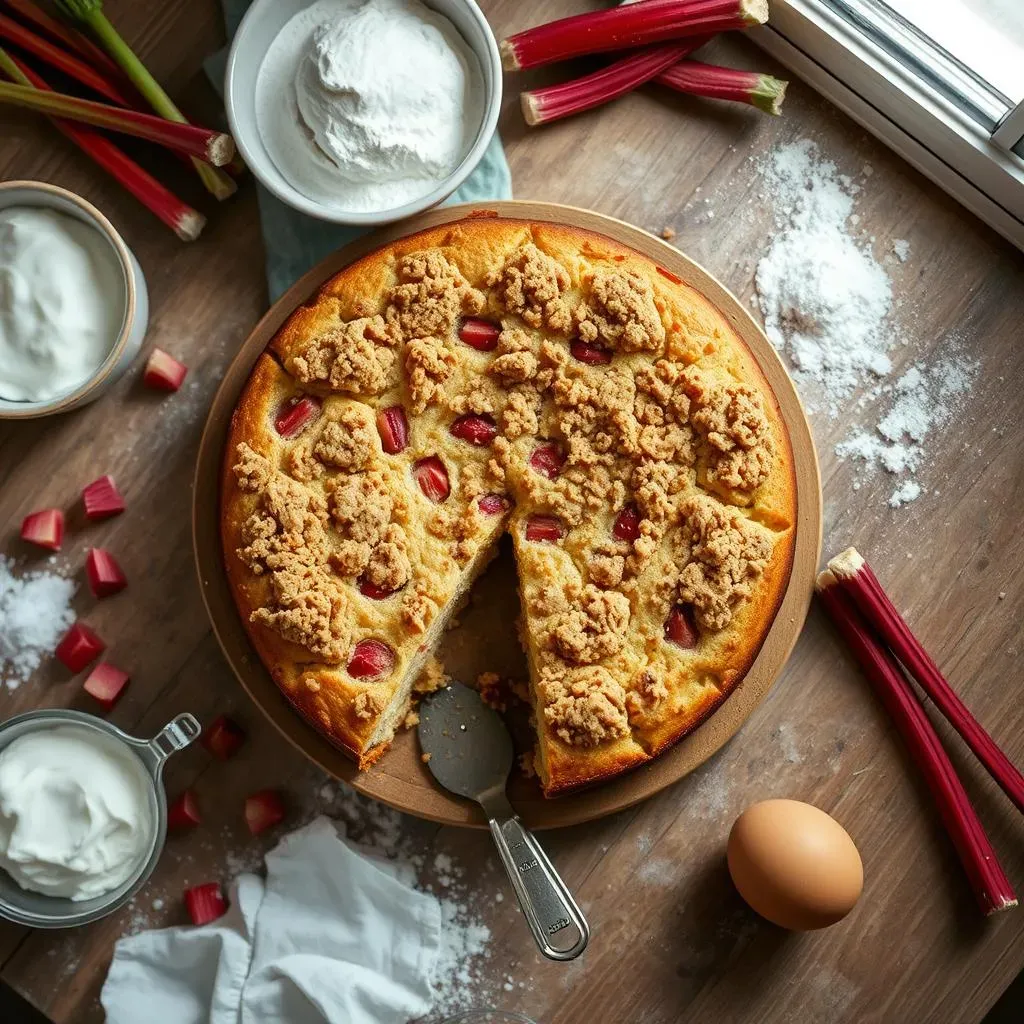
<point>261,25</point>
<point>136,299</point>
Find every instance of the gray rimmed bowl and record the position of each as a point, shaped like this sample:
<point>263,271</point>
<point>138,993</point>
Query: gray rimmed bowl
<point>39,911</point>
<point>136,299</point>
<point>261,25</point>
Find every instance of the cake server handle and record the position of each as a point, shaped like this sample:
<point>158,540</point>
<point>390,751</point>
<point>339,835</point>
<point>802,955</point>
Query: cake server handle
<point>557,923</point>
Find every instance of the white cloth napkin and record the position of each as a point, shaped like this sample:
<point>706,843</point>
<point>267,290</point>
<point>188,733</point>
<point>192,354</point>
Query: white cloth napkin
<point>332,934</point>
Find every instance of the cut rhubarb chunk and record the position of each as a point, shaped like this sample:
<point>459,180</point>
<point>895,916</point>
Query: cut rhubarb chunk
<point>79,646</point>
<point>184,812</point>
<point>263,810</point>
<point>474,429</point>
<point>295,415</point>
<point>105,576</point>
<point>493,504</point>
<point>223,738</point>
<point>45,528</point>
<point>547,459</point>
<point>432,478</point>
<point>680,629</point>
<point>627,524</point>
<point>368,589</point>
<point>163,372</point>
<point>544,529</point>
<point>480,334</point>
<point>370,658</point>
<point>590,354</point>
<point>102,499</point>
<point>205,903</point>
<point>105,684</point>
<point>393,428</point>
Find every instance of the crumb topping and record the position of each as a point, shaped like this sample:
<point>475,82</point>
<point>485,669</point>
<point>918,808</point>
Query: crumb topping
<point>432,677</point>
<point>368,705</point>
<point>361,506</point>
<point>585,707</point>
<point>532,285</point>
<point>727,555</point>
<point>593,627</point>
<point>389,567</point>
<point>429,362</point>
<point>515,359</point>
<point>355,358</point>
<point>620,313</point>
<point>430,297</point>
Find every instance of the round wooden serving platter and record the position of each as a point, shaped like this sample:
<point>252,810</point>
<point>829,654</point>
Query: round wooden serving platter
<point>485,637</point>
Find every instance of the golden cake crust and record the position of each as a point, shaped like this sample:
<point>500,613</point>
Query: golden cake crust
<point>697,444</point>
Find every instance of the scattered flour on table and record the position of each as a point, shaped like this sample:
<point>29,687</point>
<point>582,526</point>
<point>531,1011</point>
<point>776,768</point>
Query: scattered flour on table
<point>827,305</point>
<point>35,611</point>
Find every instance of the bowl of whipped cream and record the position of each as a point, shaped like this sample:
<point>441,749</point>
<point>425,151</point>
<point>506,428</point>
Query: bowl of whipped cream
<point>83,814</point>
<point>363,111</point>
<point>73,301</point>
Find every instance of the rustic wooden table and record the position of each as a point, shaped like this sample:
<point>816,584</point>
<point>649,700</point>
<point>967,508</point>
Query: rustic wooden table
<point>672,941</point>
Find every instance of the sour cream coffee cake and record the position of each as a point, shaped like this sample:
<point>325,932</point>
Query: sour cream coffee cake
<point>495,376</point>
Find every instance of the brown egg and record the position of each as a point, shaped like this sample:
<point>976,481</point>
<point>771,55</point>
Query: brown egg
<point>794,864</point>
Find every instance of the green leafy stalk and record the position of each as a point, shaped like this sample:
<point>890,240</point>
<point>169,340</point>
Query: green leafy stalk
<point>90,13</point>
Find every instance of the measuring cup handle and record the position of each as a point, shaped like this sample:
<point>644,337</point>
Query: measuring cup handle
<point>550,910</point>
<point>175,735</point>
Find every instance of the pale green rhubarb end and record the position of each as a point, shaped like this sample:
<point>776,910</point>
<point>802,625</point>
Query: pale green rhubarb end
<point>769,94</point>
<point>761,91</point>
<point>754,12</point>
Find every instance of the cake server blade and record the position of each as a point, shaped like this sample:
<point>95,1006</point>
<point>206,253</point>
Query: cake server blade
<point>470,754</point>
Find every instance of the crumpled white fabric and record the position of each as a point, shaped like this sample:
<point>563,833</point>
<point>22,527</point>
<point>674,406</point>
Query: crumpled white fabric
<point>333,934</point>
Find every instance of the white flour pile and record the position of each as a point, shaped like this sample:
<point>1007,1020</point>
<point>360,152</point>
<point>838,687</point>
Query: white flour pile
<point>35,611</point>
<point>827,305</point>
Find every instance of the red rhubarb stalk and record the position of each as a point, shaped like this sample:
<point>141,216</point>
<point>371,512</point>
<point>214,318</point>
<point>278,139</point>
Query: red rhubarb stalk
<point>216,147</point>
<point>761,91</point>
<point>60,33</point>
<point>628,26</point>
<point>185,222</point>
<point>990,884</point>
<point>71,66</point>
<point>557,101</point>
<point>855,578</point>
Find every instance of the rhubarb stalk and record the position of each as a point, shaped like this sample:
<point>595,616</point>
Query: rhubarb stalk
<point>988,880</point>
<point>216,147</point>
<point>67,64</point>
<point>183,220</point>
<point>625,27</point>
<point>761,91</point>
<point>856,579</point>
<point>557,101</point>
<point>90,13</point>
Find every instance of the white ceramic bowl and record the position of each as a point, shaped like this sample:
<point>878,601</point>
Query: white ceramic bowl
<point>136,299</point>
<point>261,25</point>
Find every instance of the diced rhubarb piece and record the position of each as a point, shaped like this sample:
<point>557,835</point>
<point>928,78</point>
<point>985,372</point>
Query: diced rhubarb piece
<point>680,629</point>
<point>547,459</point>
<point>184,812</point>
<point>223,738</point>
<point>474,429</point>
<point>544,528</point>
<point>480,334</point>
<point>263,810</point>
<point>205,903</point>
<point>493,504</point>
<point>368,589</point>
<point>105,684</point>
<point>45,528</point>
<point>295,415</point>
<point>394,429</point>
<point>432,478</point>
<point>105,576</point>
<point>627,524</point>
<point>163,372</point>
<point>102,499</point>
<point>590,354</point>
<point>370,658</point>
<point>79,646</point>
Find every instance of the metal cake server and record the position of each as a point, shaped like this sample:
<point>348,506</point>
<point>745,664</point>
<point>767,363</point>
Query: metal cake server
<point>471,754</point>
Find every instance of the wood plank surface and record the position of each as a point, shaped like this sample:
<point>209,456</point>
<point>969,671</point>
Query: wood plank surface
<point>672,941</point>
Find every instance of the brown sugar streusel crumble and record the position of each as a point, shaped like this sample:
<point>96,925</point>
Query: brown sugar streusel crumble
<point>563,400</point>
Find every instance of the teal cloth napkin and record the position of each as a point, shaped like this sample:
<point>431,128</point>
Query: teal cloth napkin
<point>295,242</point>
